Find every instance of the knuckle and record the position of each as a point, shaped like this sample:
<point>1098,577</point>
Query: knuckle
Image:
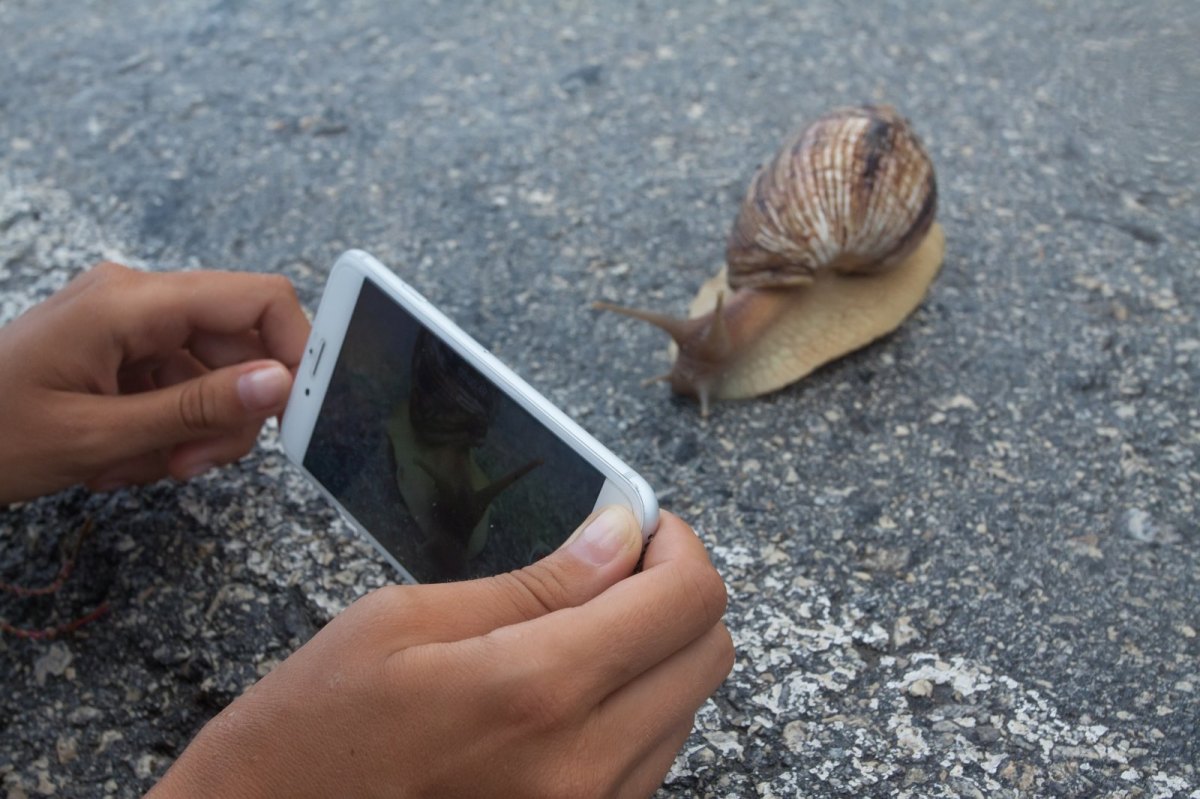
<point>726,651</point>
<point>196,408</point>
<point>279,287</point>
<point>281,284</point>
<point>102,287</point>
<point>374,607</point>
<point>706,588</point>
<point>110,270</point>
<point>538,706</point>
<point>383,601</point>
<point>535,590</point>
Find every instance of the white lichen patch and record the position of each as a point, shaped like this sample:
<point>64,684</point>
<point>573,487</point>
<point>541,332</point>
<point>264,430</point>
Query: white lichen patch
<point>851,717</point>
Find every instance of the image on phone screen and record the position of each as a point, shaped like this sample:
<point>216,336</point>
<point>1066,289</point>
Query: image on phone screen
<point>448,473</point>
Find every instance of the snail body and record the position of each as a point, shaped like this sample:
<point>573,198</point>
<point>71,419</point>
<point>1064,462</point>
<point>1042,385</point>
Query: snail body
<point>834,245</point>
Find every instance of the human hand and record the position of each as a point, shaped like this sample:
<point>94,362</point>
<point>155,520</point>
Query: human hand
<point>567,678</point>
<point>124,377</point>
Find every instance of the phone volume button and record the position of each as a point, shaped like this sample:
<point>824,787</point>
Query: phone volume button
<point>317,359</point>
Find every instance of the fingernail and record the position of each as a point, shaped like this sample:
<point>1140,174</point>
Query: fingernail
<point>264,388</point>
<point>602,540</point>
<point>195,470</point>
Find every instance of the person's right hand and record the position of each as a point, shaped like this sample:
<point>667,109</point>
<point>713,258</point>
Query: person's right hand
<point>567,678</point>
<point>123,377</point>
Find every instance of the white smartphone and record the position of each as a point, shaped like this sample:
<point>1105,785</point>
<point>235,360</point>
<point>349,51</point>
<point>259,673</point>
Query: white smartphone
<point>443,457</point>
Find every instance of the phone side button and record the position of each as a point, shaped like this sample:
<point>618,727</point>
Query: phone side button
<point>317,359</point>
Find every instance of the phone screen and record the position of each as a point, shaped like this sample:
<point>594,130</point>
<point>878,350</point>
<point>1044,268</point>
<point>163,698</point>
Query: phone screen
<point>446,471</point>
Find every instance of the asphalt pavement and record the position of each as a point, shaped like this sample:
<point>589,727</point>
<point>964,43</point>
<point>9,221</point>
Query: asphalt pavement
<point>962,561</point>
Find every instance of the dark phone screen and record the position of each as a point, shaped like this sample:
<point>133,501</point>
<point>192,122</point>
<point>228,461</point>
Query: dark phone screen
<point>445,470</point>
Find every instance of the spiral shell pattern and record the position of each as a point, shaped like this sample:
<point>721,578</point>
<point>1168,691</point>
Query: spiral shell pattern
<point>853,192</point>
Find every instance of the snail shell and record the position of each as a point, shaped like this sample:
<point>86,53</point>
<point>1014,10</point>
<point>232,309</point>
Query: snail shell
<point>833,247</point>
<point>854,192</point>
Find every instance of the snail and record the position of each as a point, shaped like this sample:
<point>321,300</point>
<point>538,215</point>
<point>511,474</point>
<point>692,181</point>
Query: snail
<point>434,435</point>
<point>834,246</point>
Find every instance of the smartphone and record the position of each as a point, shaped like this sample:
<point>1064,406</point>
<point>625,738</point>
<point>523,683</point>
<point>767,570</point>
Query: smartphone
<point>451,464</point>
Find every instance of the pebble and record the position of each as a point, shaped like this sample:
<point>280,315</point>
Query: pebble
<point>67,749</point>
<point>83,714</point>
<point>107,739</point>
<point>53,663</point>
<point>920,687</point>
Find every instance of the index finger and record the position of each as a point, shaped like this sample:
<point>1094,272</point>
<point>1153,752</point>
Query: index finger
<point>163,311</point>
<point>630,628</point>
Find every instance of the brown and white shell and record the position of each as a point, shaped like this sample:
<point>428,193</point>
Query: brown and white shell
<point>853,192</point>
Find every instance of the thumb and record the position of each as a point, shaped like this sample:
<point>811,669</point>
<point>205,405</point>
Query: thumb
<point>221,401</point>
<point>600,553</point>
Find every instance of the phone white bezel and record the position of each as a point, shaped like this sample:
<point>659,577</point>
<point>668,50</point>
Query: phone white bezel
<point>622,485</point>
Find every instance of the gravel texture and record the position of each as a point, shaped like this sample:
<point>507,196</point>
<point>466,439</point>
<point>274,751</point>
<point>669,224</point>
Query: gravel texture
<point>962,562</point>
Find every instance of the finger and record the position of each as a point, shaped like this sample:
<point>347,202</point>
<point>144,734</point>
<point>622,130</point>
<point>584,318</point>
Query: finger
<point>195,458</point>
<point>602,551</point>
<point>668,696</point>
<point>179,367</point>
<point>674,545</point>
<point>131,380</point>
<point>168,369</point>
<point>648,775</point>
<point>631,627</point>
<point>139,470</point>
<point>154,313</point>
<point>670,693</point>
<point>215,350</point>
<point>218,403</point>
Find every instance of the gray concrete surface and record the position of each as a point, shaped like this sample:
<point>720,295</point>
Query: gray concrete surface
<point>962,562</point>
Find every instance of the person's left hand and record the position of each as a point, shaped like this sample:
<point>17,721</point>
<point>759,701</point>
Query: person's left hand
<point>124,377</point>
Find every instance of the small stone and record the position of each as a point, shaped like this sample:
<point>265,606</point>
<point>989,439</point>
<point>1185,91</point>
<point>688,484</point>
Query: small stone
<point>904,633</point>
<point>149,765</point>
<point>725,742</point>
<point>83,715</point>
<point>1140,526</point>
<point>107,739</point>
<point>166,655</point>
<point>53,662</point>
<point>960,401</point>
<point>45,785</point>
<point>795,735</point>
<point>920,687</point>
<point>67,748</point>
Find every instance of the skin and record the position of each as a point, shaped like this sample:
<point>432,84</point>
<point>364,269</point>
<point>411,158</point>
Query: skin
<point>571,677</point>
<point>125,377</point>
